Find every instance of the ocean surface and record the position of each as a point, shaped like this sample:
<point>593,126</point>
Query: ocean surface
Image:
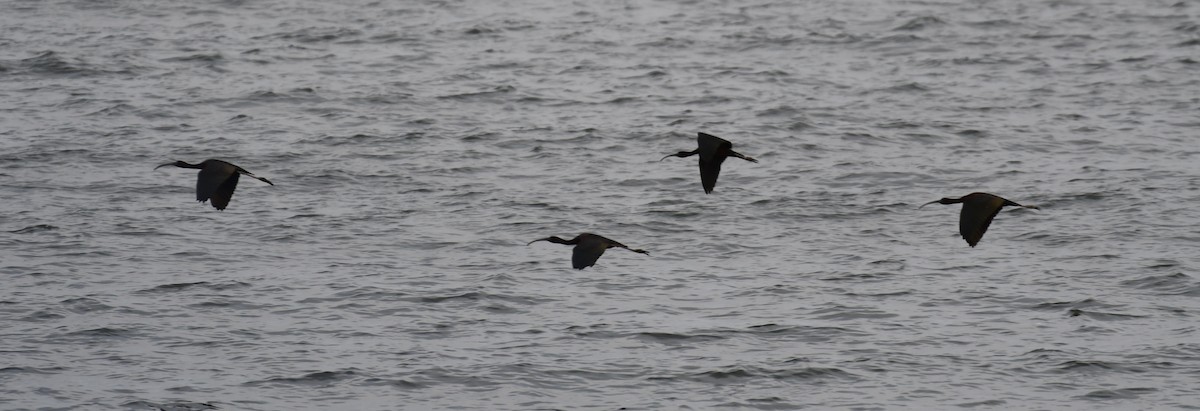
<point>417,146</point>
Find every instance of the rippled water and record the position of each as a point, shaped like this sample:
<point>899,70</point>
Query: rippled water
<point>416,149</point>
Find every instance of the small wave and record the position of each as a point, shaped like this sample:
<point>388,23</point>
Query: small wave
<point>119,109</point>
<point>177,287</point>
<point>1099,367</point>
<point>230,304</point>
<point>200,57</point>
<point>894,40</point>
<point>84,305</point>
<point>779,289</point>
<point>1168,284</point>
<point>898,124</point>
<point>985,403</point>
<point>747,372</point>
<point>768,403</point>
<point>1075,312</point>
<point>319,378</point>
<point>920,23</point>
<point>675,338</point>
<point>51,63</point>
<point>622,100</point>
<point>34,229</point>
<point>985,60</point>
<point>972,133</point>
<point>169,406</point>
<point>31,370</point>
<point>878,295</point>
<point>780,111</point>
<point>804,333</point>
<point>174,287</point>
<point>851,313</point>
<point>493,299</point>
<point>294,95</point>
<point>1080,304</point>
<point>474,95</point>
<point>469,296</point>
<point>997,23</point>
<point>394,383</point>
<point>360,294</point>
<point>909,87</point>
<point>43,315</point>
<point>1121,393</point>
<point>102,332</point>
<point>316,35</point>
<point>594,331</point>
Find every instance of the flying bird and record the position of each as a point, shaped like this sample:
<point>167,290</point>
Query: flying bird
<point>978,210</point>
<point>713,150</point>
<point>588,248</point>
<point>217,180</point>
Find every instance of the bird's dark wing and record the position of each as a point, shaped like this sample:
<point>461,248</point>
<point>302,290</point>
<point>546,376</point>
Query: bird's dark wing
<point>713,151</point>
<point>977,215</point>
<point>708,174</point>
<point>221,197</point>
<point>712,146</point>
<point>586,253</point>
<point>212,177</point>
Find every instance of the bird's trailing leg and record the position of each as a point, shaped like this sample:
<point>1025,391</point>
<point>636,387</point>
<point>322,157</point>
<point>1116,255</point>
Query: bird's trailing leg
<point>742,156</point>
<point>252,175</point>
<point>1011,203</point>
<point>637,250</point>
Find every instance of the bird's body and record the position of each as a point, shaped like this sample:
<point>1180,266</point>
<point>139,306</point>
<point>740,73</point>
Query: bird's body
<point>713,151</point>
<point>978,210</point>
<point>588,248</point>
<point>216,181</point>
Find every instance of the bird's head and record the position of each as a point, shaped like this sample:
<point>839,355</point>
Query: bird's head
<point>177,163</point>
<point>946,200</point>
<point>681,154</point>
<point>553,239</point>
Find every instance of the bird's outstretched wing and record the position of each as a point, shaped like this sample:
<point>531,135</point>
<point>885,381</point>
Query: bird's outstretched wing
<point>711,146</point>
<point>713,151</point>
<point>977,215</point>
<point>586,253</point>
<point>212,177</point>
<point>709,170</point>
<point>224,193</point>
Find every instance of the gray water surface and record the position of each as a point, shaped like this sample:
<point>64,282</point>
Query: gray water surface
<point>417,147</point>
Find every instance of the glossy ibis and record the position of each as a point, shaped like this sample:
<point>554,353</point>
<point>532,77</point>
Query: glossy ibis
<point>588,248</point>
<point>712,150</point>
<point>217,180</point>
<point>978,210</point>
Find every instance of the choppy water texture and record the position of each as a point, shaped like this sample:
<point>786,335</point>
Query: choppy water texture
<point>417,147</point>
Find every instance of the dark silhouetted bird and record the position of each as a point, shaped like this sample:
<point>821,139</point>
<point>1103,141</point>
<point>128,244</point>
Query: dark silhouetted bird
<point>713,150</point>
<point>588,248</point>
<point>978,210</point>
<point>217,180</point>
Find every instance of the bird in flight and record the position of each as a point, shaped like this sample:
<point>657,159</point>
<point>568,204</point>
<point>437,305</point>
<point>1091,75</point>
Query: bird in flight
<point>217,180</point>
<point>978,210</point>
<point>588,248</point>
<point>713,151</point>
